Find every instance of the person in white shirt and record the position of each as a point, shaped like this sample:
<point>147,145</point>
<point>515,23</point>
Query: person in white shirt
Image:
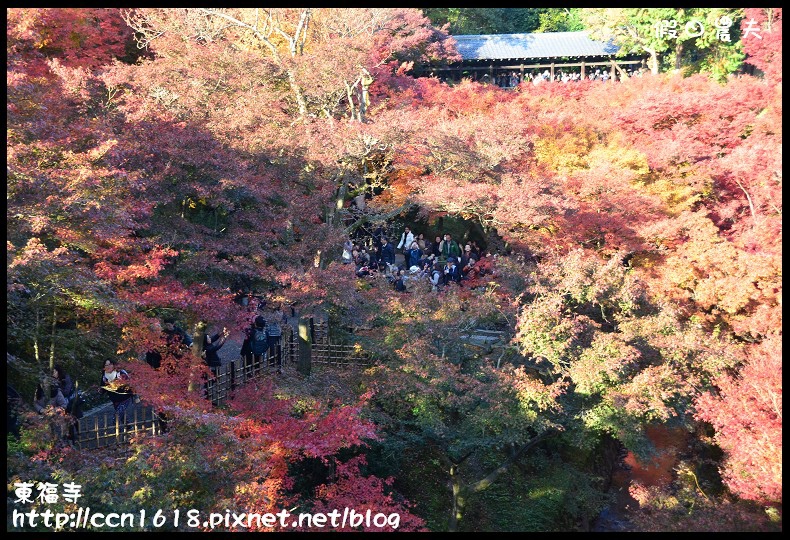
<point>406,239</point>
<point>348,248</point>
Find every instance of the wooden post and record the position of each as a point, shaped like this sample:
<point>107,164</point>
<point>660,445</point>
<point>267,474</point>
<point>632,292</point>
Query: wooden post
<point>612,74</point>
<point>198,332</point>
<point>552,71</point>
<point>305,346</point>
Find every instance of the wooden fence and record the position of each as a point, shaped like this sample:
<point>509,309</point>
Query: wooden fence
<point>234,374</point>
<point>323,351</point>
<point>106,429</point>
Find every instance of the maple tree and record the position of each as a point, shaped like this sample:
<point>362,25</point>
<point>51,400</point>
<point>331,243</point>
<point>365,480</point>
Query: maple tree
<point>746,412</point>
<point>448,401</point>
<point>219,160</point>
<point>764,52</point>
<point>242,458</point>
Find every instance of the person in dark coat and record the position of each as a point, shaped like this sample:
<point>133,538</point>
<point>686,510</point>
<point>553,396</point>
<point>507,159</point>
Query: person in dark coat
<point>211,345</point>
<point>63,381</point>
<point>463,263</point>
<point>413,255</point>
<point>274,335</point>
<point>178,342</point>
<point>378,234</point>
<point>436,248</point>
<point>56,399</point>
<point>452,274</point>
<point>375,258</point>
<point>387,252</point>
<point>250,357</point>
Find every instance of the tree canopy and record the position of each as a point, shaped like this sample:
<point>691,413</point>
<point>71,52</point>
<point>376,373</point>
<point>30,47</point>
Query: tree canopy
<point>163,162</point>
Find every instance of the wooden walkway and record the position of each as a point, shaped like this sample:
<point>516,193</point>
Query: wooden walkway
<point>101,427</point>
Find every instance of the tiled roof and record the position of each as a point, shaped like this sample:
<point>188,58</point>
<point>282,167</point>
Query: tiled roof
<point>546,45</point>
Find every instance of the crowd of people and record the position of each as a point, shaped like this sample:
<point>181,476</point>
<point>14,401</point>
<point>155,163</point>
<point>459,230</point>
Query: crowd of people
<point>512,79</point>
<point>428,265</point>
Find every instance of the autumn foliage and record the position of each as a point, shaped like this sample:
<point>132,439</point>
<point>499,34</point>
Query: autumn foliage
<point>163,163</point>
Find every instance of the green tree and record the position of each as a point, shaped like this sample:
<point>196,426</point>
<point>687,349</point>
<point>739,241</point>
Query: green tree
<point>675,38</point>
<point>560,20</point>
<point>486,20</point>
<point>443,398</point>
<point>700,47</point>
<point>633,29</point>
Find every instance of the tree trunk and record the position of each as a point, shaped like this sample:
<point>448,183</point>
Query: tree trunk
<point>305,347</point>
<point>653,61</point>
<point>37,351</point>
<point>748,198</point>
<point>36,333</point>
<point>52,342</point>
<point>340,199</point>
<point>460,492</point>
<point>458,500</point>
<point>678,53</point>
<point>198,332</point>
<point>361,108</point>
<point>350,98</point>
<point>297,90</point>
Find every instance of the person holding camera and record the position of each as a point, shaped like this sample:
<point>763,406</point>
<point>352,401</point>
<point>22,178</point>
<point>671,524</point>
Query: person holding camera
<point>211,345</point>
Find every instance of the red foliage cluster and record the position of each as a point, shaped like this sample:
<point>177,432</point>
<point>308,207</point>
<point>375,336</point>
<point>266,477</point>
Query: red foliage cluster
<point>746,411</point>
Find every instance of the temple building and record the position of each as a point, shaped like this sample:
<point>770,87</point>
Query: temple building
<point>490,57</point>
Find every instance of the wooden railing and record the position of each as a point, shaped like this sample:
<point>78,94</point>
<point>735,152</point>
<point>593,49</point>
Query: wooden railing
<point>100,430</point>
<point>234,374</point>
<point>107,429</point>
<point>323,351</point>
